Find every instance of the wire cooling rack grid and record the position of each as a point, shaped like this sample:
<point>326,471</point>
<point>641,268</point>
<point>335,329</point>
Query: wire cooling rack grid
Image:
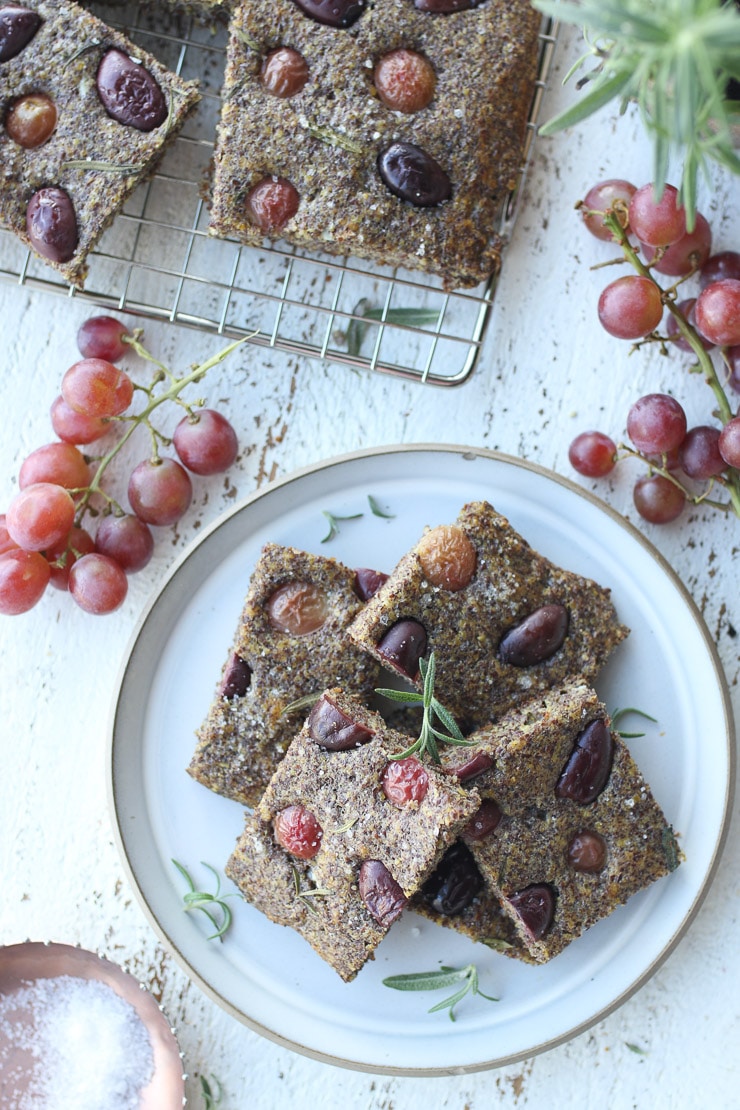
<point>158,261</point>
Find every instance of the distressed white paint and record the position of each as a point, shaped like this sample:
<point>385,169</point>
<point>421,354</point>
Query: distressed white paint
<point>546,372</point>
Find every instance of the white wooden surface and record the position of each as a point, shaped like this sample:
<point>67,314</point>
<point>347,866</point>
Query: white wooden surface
<point>546,372</point>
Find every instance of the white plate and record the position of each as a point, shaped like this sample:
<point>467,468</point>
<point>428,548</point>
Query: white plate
<point>268,976</point>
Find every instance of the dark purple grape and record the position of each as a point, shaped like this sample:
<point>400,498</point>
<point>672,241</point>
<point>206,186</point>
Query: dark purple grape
<point>474,765</point>
<point>535,906</point>
<point>129,93</point>
<point>334,730</point>
<point>236,678</point>
<point>51,224</point>
<point>403,646</point>
<point>726,264</point>
<point>699,453</point>
<point>587,768</point>
<point>368,582</point>
<point>536,638</point>
<point>455,882</point>
<point>333,13</point>
<point>17,28</point>
<point>383,896</point>
<point>484,821</point>
<point>413,175</point>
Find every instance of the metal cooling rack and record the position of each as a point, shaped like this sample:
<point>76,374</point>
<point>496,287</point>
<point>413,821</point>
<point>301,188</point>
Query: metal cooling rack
<point>158,261</point>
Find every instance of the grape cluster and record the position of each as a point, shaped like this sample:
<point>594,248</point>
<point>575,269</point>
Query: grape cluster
<point>684,465</point>
<point>43,539</point>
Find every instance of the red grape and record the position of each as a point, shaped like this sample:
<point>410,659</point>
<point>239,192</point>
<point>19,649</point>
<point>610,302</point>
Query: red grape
<point>718,312</point>
<point>729,442</point>
<point>656,423</point>
<point>726,264</point>
<point>97,584</point>
<point>206,442</point>
<point>126,539</point>
<point>298,831</point>
<point>687,254</point>
<point>96,387</point>
<point>593,454</point>
<point>699,453</point>
<point>405,780</point>
<point>160,491</point>
<point>6,543</point>
<point>659,223</point>
<point>60,463</point>
<point>75,427</point>
<point>603,197</point>
<point>686,308</point>
<point>40,516</point>
<point>72,547</point>
<point>657,499</point>
<point>631,307</point>
<point>102,337</point>
<point>24,575</point>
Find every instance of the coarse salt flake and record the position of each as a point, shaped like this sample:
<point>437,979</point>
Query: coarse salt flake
<point>87,1047</point>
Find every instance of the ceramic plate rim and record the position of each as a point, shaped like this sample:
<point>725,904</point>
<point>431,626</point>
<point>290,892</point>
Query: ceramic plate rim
<point>327,465</point>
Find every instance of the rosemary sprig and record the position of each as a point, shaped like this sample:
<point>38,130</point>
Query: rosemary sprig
<point>408,317</point>
<point>433,708</point>
<point>207,903</point>
<point>334,519</point>
<point>306,702</point>
<point>211,1098</point>
<point>674,60</point>
<point>332,138</point>
<point>308,892</point>
<point>619,713</point>
<point>436,980</point>
<point>126,169</point>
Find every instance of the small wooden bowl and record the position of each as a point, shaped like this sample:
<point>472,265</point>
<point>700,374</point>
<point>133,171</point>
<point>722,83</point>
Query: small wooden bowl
<point>22,964</point>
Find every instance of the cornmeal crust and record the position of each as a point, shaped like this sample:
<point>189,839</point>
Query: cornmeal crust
<point>326,139</point>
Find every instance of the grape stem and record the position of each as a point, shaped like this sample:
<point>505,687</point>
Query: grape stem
<point>705,364</point>
<point>175,386</point>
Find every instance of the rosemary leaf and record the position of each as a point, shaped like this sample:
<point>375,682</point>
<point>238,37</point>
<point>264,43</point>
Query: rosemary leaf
<point>332,138</point>
<point>211,1099</point>
<point>376,510</point>
<point>306,702</point>
<point>426,743</point>
<point>410,317</point>
<point>207,903</point>
<point>619,713</point>
<point>126,169</point>
<point>247,39</point>
<point>334,519</point>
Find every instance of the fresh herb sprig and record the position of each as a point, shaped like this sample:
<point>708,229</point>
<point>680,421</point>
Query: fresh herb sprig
<point>436,980</point>
<point>211,1098</point>
<point>674,60</point>
<point>335,518</point>
<point>309,892</point>
<point>365,314</point>
<point>426,743</point>
<point>214,906</point>
<point>617,715</point>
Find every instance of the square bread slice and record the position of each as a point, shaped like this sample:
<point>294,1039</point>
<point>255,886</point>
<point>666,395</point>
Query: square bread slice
<point>502,620</point>
<point>345,834</point>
